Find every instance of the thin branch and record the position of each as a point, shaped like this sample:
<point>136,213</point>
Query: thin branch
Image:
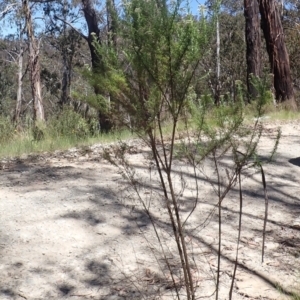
<point>220,224</point>
<point>7,9</point>
<point>239,235</point>
<point>42,1</point>
<point>69,24</point>
<point>266,211</point>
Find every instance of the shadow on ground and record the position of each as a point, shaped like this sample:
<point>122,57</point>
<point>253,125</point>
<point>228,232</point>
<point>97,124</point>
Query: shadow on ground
<point>295,161</point>
<point>100,275</point>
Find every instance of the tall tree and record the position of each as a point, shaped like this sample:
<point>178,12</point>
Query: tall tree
<point>34,64</point>
<point>94,38</point>
<point>290,22</point>
<point>253,42</point>
<point>18,109</point>
<point>232,65</point>
<point>277,51</point>
<point>65,40</point>
<point>111,22</point>
<point>66,80</point>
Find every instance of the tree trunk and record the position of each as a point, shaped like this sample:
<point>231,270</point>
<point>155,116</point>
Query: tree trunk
<point>218,70</point>
<point>277,51</point>
<point>253,42</point>
<point>20,84</point>
<point>93,33</point>
<point>66,80</point>
<point>67,63</point>
<point>34,66</point>
<point>111,23</point>
<point>97,64</point>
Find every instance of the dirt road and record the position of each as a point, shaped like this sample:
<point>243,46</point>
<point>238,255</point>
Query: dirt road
<point>72,229</point>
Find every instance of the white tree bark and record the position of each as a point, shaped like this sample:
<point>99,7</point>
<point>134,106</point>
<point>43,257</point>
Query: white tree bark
<point>34,65</point>
<point>20,83</point>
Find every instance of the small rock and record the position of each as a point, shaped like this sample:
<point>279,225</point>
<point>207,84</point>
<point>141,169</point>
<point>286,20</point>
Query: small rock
<point>273,263</point>
<point>296,223</point>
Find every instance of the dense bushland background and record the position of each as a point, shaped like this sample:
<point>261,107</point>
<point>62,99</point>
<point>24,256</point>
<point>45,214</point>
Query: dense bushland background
<point>63,40</point>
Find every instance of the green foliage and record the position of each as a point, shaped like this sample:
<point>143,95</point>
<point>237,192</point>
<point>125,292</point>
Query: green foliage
<point>6,129</point>
<point>98,102</point>
<point>296,296</point>
<point>223,127</point>
<point>51,81</point>
<point>37,133</point>
<point>154,66</point>
<point>68,124</point>
<point>265,96</point>
<point>7,88</point>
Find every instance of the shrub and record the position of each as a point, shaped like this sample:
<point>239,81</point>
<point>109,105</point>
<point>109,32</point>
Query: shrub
<point>68,124</point>
<point>6,129</point>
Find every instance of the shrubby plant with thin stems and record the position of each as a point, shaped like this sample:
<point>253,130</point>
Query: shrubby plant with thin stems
<point>150,76</point>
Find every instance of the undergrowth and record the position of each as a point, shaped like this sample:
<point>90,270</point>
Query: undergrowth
<point>71,130</point>
<point>272,113</point>
<point>68,129</point>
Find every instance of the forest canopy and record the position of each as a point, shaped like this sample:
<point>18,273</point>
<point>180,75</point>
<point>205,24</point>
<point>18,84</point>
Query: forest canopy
<point>58,51</point>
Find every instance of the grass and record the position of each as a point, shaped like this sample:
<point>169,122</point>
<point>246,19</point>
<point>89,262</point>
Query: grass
<point>284,115</point>
<point>294,293</point>
<point>272,113</point>
<point>292,296</point>
<point>24,144</point>
<point>296,297</point>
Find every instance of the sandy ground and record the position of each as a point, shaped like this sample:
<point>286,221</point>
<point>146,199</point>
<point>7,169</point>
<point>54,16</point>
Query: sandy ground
<point>71,228</point>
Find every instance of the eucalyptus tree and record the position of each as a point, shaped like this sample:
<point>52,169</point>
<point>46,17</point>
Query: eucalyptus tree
<point>34,63</point>
<point>94,38</point>
<point>253,42</point>
<point>98,32</point>
<point>291,26</point>
<point>231,49</point>
<point>22,9</point>
<point>277,51</point>
<point>65,40</point>
<point>112,23</point>
<point>20,58</point>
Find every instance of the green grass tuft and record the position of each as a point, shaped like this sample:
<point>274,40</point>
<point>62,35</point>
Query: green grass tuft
<point>22,144</point>
<point>284,115</point>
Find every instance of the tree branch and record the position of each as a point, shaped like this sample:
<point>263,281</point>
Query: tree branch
<point>69,24</point>
<point>7,9</point>
<point>42,1</point>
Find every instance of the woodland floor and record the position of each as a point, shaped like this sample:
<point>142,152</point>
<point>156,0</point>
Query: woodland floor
<point>70,228</point>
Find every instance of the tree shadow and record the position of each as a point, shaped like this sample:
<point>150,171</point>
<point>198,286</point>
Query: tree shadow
<point>91,217</point>
<point>295,161</point>
<point>100,273</point>
<point>65,289</point>
<point>7,292</point>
